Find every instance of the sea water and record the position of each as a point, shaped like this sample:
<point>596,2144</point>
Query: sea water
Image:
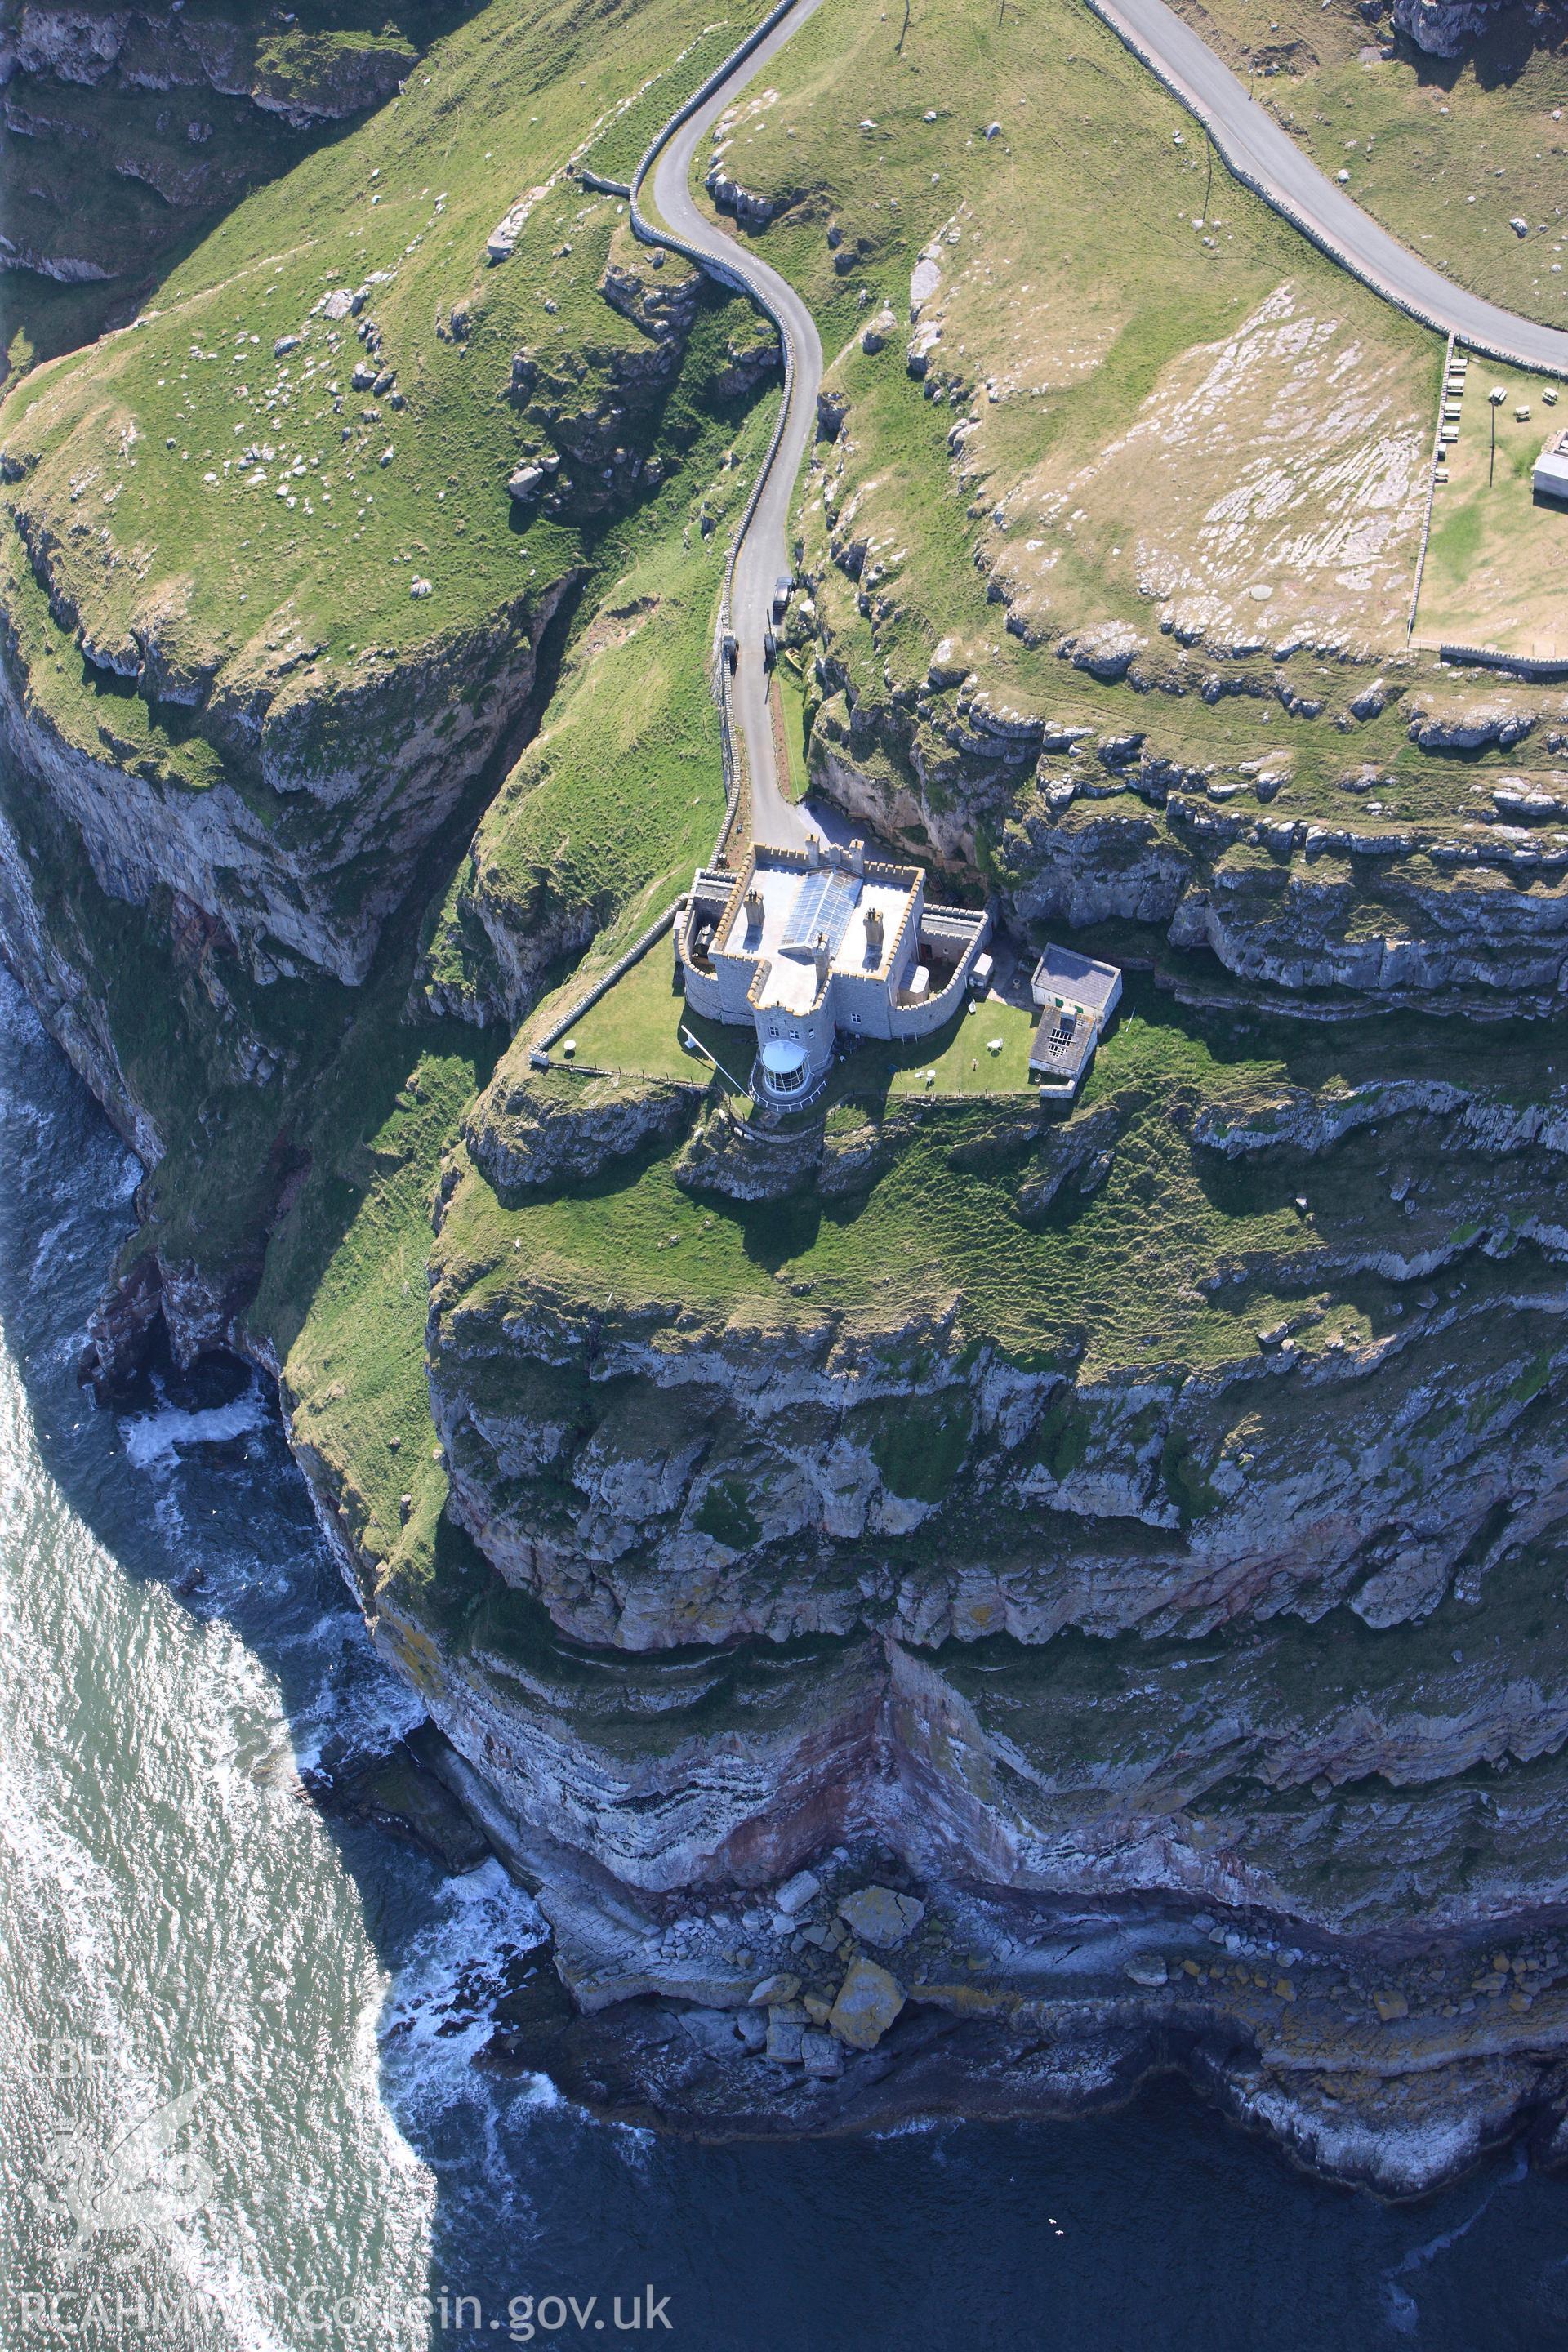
<point>238,2106</point>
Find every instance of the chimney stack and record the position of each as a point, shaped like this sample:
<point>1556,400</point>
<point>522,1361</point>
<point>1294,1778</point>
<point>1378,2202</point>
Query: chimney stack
<point>873,935</point>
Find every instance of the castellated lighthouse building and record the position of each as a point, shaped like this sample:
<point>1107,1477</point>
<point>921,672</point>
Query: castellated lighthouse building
<point>804,945</point>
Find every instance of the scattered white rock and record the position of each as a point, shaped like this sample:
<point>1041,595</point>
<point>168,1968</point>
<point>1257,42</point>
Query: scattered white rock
<point>797,1892</point>
<point>925,276</point>
<point>922,342</point>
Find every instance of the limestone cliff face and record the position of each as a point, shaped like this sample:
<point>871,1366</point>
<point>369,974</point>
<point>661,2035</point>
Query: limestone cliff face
<point>1253,1658</point>
<point>712,1484</point>
<point>330,790</point>
<point>657,1475</point>
<point>1467,911</point>
<point>160,49</point>
<point>1271,1633</point>
<point>531,1131</point>
<point>1444,28</point>
<point>193,110</point>
<point>1067,1819</point>
<point>60,994</point>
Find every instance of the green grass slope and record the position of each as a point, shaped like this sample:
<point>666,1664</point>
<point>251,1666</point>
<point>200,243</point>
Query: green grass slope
<point>1445,151</point>
<point>120,148</point>
<point>1114,1270</point>
<point>304,1122</point>
<point>182,476</point>
<point>1154,404</point>
<point>623,787</point>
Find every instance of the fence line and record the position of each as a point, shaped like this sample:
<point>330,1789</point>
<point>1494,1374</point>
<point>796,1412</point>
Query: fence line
<point>608,979</point>
<point>1431,488</point>
<point>1542,671</point>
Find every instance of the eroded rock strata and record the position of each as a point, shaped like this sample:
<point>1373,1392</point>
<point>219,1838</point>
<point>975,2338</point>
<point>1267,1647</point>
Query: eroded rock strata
<point>956,1606</point>
<point>1191,1704</point>
<point>1208,1702</point>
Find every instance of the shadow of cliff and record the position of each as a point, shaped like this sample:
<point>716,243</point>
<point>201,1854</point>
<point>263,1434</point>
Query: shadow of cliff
<point>1502,54</point>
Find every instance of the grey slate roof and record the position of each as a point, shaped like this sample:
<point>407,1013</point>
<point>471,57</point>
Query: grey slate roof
<point>1066,973</point>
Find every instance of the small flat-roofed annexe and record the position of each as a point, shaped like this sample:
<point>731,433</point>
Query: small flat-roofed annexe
<point>1550,475</point>
<point>1077,996</point>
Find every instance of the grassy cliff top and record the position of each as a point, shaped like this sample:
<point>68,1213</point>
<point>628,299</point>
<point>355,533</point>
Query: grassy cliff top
<point>1113,1265</point>
<point>209,474</point>
<point>1443,151</point>
<point>1153,397</point>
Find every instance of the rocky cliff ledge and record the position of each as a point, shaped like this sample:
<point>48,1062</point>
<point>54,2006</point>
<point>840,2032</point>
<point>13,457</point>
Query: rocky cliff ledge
<point>122,128</point>
<point>955,1606</point>
<point>998,1715</point>
<point>1439,883</point>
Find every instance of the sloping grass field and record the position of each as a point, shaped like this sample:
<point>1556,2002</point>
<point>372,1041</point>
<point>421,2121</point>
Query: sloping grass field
<point>245,485</point>
<point>1153,397</point>
<point>1445,151</point>
<point>1113,1270</point>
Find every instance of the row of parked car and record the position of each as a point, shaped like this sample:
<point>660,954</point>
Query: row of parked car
<point>784,589</point>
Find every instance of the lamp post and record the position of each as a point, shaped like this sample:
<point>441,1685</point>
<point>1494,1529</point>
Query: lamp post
<point>1496,397</point>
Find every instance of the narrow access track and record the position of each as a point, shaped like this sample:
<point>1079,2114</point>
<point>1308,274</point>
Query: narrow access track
<point>1262,155</point>
<point>1258,150</point>
<point>760,549</point>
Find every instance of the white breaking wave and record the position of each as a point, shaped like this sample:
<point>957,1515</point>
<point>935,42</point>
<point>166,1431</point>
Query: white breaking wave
<point>1401,2305</point>
<point>156,1437</point>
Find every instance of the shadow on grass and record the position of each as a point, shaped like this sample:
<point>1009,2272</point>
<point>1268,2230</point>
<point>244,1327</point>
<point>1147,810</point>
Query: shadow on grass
<point>54,317</point>
<point>1498,58</point>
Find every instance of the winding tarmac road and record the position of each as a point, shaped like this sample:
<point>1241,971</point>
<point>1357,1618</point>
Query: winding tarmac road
<point>1254,144</point>
<point>1265,157</point>
<point>762,550</point>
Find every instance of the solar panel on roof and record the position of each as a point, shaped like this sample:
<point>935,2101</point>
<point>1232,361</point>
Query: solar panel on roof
<point>822,906</point>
